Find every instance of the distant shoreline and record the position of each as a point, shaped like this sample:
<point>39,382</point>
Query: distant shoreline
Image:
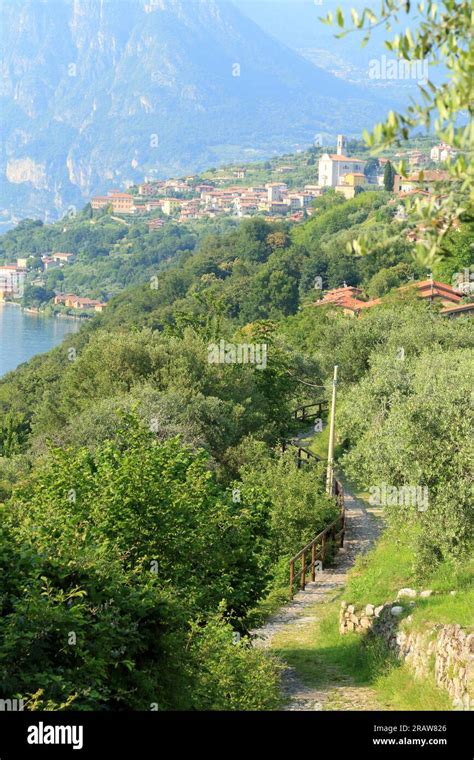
<point>39,313</point>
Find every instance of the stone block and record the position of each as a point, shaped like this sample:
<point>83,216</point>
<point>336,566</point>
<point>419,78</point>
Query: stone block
<point>410,592</point>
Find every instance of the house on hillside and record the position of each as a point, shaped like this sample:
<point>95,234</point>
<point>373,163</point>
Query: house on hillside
<point>155,224</point>
<point>349,183</point>
<point>170,205</point>
<point>62,258</point>
<point>122,203</point>
<point>435,291</point>
<point>61,298</point>
<point>413,183</point>
<point>99,202</point>
<point>71,301</point>
<point>348,298</point>
<point>49,263</point>
<point>275,191</point>
<point>441,153</point>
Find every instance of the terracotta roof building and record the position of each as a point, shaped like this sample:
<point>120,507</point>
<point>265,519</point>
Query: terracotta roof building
<point>458,311</point>
<point>347,298</point>
<point>435,290</point>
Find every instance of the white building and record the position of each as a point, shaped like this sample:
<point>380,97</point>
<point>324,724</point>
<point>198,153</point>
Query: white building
<point>442,152</point>
<point>12,281</point>
<point>275,191</point>
<point>333,167</point>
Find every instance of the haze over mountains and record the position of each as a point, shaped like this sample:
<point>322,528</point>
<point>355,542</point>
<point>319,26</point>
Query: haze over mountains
<point>101,93</point>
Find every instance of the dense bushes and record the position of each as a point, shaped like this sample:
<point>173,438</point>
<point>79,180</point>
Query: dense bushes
<point>129,570</point>
<point>109,557</point>
<point>299,506</point>
<point>409,426</point>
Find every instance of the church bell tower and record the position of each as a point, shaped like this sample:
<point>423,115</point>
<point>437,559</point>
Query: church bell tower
<point>341,145</point>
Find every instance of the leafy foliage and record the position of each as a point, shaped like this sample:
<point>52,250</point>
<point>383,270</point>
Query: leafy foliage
<point>441,37</point>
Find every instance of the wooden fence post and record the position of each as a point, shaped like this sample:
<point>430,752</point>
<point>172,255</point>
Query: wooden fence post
<point>313,562</point>
<point>303,571</point>
<point>292,576</point>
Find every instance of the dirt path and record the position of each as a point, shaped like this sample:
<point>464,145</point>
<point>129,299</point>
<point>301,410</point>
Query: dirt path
<point>338,693</point>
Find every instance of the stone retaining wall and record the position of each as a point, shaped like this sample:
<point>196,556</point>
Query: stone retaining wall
<point>445,651</point>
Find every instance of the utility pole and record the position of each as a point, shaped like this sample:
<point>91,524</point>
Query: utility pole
<point>330,470</point>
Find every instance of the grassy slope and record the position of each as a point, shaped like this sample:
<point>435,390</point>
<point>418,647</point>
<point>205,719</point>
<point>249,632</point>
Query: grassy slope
<point>377,578</point>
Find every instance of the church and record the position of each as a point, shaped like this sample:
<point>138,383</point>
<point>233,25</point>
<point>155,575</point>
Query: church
<point>333,167</point>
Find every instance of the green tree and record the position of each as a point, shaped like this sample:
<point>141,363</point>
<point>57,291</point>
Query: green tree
<point>388,177</point>
<point>371,167</point>
<point>399,437</point>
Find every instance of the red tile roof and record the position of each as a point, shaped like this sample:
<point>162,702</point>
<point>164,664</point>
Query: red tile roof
<point>435,289</point>
<point>346,297</point>
<point>337,157</point>
<point>467,307</point>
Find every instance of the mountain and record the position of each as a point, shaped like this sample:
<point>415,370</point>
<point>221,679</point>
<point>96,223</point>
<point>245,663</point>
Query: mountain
<point>100,93</point>
<point>297,23</point>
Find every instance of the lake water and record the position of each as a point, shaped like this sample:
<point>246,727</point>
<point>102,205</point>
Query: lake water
<point>23,335</point>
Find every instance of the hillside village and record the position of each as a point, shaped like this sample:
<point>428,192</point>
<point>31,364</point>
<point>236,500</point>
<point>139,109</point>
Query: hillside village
<point>193,198</point>
<point>231,193</point>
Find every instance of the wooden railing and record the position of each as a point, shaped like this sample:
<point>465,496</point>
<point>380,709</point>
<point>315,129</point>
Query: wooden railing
<point>303,456</point>
<point>310,411</point>
<point>317,548</point>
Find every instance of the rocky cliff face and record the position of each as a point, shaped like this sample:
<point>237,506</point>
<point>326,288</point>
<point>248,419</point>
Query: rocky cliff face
<point>98,91</point>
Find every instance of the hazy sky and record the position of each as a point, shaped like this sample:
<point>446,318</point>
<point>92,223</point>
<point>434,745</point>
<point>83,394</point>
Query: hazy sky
<point>297,23</point>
